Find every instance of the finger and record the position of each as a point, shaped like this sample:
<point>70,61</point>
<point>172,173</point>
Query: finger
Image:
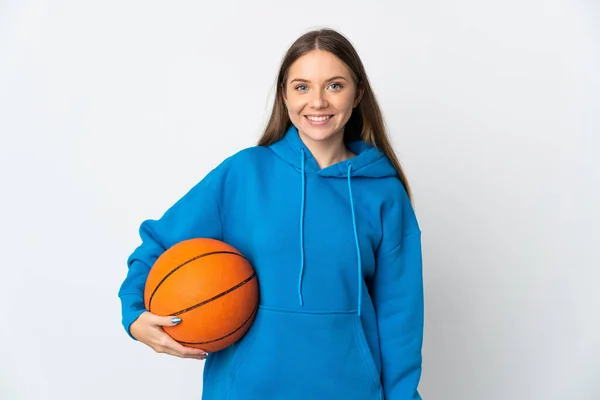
<point>172,352</point>
<point>166,321</point>
<point>186,351</point>
<point>188,356</point>
<point>180,350</point>
<point>166,350</point>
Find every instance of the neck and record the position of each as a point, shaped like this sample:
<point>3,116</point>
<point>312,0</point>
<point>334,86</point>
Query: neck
<point>328,152</point>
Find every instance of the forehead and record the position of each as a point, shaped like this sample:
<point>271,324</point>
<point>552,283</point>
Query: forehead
<point>318,65</point>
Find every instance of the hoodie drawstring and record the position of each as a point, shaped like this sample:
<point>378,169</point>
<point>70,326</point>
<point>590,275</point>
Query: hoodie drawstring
<point>302,230</point>
<point>358,253</point>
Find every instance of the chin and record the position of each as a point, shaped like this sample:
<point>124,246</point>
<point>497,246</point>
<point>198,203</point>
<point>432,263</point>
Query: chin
<point>319,133</point>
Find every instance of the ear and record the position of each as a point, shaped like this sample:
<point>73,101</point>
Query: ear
<point>284,94</point>
<point>359,95</point>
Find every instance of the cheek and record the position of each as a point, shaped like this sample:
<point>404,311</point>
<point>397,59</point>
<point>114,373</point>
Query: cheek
<point>295,107</point>
<point>345,106</point>
<point>294,101</point>
<point>344,103</point>
<point>349,106</point>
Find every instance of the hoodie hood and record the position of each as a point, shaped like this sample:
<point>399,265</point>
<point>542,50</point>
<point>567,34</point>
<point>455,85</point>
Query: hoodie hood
<point>369,162</point>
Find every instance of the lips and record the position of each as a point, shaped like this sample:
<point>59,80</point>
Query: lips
<point>318,118</point>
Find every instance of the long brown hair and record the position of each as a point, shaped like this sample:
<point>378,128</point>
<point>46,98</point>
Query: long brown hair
<point>365,123</point>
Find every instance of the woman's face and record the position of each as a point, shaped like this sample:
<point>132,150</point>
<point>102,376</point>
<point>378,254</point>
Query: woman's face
<point>320,95</point>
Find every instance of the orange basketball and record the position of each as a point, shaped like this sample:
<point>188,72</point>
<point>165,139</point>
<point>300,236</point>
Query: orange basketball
<point>210,286</point>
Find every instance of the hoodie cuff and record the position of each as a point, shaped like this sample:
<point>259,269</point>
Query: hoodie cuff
<point>132,306</point>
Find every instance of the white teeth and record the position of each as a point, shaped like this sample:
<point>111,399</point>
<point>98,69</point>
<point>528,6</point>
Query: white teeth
<point>318,119</point>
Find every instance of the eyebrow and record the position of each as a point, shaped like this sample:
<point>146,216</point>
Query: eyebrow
<point>328,80</point>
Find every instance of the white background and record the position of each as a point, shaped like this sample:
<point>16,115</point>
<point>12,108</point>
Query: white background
<point>110,111</point>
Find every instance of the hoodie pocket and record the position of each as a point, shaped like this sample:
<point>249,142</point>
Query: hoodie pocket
<point>290,355</point>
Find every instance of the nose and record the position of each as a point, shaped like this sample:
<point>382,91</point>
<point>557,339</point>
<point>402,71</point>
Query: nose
<point>319,100</point>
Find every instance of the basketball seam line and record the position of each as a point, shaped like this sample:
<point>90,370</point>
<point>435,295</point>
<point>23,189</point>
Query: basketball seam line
<point>230,333</point>
<point>181,266</point>
<point>231,289</point>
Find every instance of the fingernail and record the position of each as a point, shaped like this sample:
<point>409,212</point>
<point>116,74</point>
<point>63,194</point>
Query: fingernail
<point>175,320</point>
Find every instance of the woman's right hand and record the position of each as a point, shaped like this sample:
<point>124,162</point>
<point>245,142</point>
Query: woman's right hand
<point>147,328</point>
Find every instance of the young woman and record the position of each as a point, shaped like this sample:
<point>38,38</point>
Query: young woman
<point>322,209</point>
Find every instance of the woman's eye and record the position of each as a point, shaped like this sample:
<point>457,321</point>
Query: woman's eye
<point>304,88</point>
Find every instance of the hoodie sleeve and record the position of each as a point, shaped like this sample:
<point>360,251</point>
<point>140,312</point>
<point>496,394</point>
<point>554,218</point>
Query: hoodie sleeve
<point>196,214</point>
<point>398,297</point>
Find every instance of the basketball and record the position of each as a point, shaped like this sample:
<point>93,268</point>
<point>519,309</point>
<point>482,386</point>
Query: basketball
<point>211,286</point>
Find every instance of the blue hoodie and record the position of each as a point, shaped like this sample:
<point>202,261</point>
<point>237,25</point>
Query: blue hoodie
<point>337,252</point>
